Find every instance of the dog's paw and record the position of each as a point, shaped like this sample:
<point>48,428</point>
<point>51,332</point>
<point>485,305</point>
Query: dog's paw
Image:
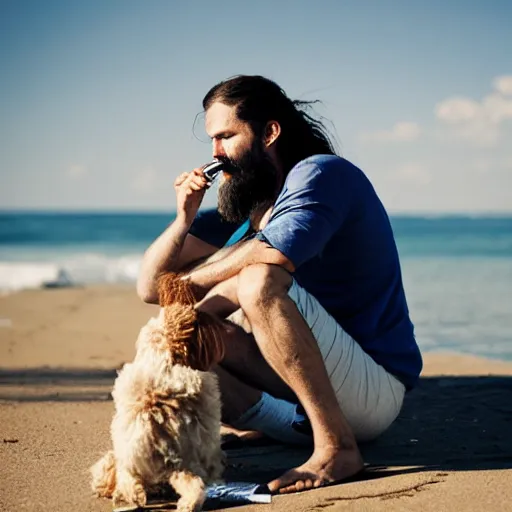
<point>139,495</point>
<point>129,490</point>
<point>135,496</point>
<point>187,505</point>
<point>103,473</point>
<point>191,489</point>
<point>118,498</point>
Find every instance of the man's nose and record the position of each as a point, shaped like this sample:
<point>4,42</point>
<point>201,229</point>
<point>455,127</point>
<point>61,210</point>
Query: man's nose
<point>217,148</point>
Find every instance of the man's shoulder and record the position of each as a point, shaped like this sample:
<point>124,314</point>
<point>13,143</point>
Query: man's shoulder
<point>323,172</point>
<point>323,160</point>
<point>326,165</point>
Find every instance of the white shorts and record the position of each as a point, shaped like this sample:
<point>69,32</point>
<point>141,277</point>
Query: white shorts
<point>369,396</point>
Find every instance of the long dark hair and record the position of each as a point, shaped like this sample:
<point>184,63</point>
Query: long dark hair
<point>259,100</point>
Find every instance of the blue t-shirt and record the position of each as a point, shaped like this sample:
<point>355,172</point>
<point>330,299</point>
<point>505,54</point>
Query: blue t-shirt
<point>329,222</point>
<point>211,228</point>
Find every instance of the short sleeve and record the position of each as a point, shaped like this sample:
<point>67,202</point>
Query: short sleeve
<point>211,228</point>
<point>312,206</point>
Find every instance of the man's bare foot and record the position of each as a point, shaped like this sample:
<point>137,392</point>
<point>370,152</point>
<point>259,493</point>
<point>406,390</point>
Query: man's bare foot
<point>323,467</point>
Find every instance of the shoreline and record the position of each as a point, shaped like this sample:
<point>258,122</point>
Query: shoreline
<point>448,450</point>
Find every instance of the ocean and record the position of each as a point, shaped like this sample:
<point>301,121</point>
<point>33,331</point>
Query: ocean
<point>457,270</point>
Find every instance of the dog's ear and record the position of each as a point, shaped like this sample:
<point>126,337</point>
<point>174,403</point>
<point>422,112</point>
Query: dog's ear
<point>173,288</point>
<point>179,328</point>
<point>209,344</point>
<point>194,337</point>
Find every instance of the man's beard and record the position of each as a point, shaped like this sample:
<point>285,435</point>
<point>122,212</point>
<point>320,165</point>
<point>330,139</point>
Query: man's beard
<point>252,184</point>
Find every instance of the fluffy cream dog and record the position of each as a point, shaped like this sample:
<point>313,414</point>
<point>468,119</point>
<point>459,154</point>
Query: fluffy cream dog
<point>166,427</point>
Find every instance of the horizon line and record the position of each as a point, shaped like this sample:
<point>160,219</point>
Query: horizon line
<point>144,211</point>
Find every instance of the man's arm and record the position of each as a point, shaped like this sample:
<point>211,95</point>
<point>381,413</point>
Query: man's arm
<point>246,253</point>
<point>172,251</point>
<point>175,248</point>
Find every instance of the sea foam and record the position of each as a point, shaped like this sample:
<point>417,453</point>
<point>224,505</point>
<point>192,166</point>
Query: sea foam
<point>74,270</point>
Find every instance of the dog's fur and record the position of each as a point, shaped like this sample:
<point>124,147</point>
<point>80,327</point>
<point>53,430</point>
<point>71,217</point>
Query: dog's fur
<point>166,427</point>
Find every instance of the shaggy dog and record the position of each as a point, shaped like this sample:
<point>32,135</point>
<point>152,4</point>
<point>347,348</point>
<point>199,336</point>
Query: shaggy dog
<point>166,427</point>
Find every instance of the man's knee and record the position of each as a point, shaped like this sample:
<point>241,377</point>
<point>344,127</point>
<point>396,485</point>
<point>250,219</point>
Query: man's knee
<point>260,283</point>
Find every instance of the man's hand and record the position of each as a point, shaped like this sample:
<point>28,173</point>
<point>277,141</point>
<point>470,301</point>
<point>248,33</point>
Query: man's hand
<point>190,189</point>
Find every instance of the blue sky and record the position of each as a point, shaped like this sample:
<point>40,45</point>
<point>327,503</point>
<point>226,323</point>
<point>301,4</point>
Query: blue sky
<point>98,98</point>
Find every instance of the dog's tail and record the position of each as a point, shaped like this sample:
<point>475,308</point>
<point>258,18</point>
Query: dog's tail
<point>103,475</point>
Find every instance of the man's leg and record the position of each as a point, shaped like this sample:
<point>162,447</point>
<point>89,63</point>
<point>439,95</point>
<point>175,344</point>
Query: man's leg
<point>255,401</point>
<point>243,373</point>
<point>245,363</point>
<point>288,346</point>
<point>237,396</point>
<point>242,359</point>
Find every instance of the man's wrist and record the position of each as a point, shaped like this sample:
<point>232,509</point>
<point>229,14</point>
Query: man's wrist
<point>183,221</point>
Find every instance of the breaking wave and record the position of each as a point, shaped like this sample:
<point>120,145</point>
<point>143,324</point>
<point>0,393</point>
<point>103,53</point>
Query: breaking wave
<point>72,271</point>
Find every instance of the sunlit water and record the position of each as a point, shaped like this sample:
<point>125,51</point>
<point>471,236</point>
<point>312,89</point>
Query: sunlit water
<point>457,270</point>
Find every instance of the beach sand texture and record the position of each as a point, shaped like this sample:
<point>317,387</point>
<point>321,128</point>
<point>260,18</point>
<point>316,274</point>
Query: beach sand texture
<point>450,449</point>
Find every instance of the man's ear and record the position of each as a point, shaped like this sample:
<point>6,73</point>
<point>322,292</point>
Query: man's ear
<point>272,132</point>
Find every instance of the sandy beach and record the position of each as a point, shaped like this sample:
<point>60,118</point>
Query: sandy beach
<point>450,449</point>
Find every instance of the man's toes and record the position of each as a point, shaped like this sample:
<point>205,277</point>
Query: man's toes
<point>308,483</point>
<point>293,481</point>
<point>298,486</point>
<point>285,481</point>
<point>275,486</point>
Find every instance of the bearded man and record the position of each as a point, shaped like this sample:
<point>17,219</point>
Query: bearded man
<point>328,349</point>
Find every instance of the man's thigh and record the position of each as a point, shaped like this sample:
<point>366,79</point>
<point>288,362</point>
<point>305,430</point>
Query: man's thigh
<point>369,396</point>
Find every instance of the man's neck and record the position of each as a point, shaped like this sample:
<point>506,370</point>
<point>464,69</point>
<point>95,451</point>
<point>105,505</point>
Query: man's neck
<point>260,216</point>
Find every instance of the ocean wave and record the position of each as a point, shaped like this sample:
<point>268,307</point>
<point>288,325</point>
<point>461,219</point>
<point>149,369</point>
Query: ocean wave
<point>74,270</point>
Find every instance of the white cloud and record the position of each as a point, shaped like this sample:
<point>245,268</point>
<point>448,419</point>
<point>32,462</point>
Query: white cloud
<point>478,122</point>
<point>145,181</point>
<point>413,173</point>
<point>462,162</point>
<point>457,109</point>
<point>497,107</point>
<point>503,84</point>
<point>401,132</point>
<point>479,132</point>
<point>76,171</point>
